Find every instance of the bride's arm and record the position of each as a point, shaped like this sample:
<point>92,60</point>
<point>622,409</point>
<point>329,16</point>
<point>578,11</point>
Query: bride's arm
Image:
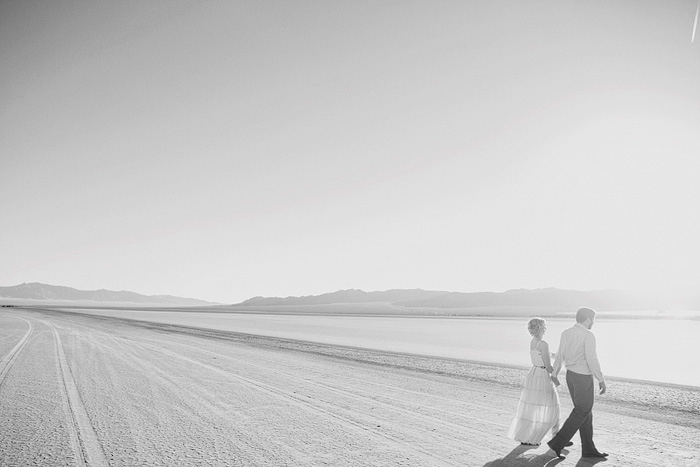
<point>548,363</point>
<point>544,351</point>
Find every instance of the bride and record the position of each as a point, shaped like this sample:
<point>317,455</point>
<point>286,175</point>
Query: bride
<point>538,407</point>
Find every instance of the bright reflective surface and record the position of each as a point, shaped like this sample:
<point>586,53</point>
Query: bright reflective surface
<point>663,350</point>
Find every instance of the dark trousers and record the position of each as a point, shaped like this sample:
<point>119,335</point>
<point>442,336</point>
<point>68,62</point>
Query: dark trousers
<point>582,391</point>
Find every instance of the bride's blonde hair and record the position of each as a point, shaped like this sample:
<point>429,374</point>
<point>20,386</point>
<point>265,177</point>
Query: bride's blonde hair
<point>535,325</point>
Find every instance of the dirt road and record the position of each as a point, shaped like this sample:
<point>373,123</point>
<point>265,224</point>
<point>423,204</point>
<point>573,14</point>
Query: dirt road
<point>94,391</point>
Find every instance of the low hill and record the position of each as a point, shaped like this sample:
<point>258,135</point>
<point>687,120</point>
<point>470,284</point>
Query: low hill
<point>346,296</point>
<point>551,299</point>
<point>44,292</point>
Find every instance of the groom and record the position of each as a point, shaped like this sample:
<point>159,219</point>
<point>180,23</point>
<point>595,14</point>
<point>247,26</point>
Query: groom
<point>577,352</point>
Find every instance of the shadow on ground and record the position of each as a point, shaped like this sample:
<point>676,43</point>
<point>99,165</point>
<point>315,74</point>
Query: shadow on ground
<point>585,462</point>
<point>520,457</point>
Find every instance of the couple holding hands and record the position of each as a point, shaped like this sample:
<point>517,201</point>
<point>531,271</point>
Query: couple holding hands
<point>538,407</point>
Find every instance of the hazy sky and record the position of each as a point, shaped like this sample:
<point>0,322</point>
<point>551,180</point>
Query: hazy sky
<point>223,150</point>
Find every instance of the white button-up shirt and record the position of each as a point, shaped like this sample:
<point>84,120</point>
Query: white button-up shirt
<point>577,352</point>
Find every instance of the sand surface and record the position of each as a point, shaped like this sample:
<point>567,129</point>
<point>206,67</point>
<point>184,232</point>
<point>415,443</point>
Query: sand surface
<point>86,390</point>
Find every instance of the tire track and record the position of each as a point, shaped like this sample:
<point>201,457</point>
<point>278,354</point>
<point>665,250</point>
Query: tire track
<point>453,429</point>
<point>84,440</point>
<point>317,406</point>
<point>327,409</point>
<point>10,358</point>
<point>203,429</point>
<point>434,417</point>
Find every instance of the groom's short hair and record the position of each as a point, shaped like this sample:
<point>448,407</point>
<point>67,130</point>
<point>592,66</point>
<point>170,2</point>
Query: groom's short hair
<point>583,313</point>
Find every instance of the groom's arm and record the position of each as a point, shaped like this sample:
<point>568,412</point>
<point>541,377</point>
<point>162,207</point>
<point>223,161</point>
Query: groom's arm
<point>592,360</point>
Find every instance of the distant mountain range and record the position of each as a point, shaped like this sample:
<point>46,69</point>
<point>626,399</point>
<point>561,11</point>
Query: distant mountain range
<point>45,292</point>
<point>409,300</point>
<point>549,298</point>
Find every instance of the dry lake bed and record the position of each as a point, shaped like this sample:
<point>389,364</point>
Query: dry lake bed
<point>81,390</point>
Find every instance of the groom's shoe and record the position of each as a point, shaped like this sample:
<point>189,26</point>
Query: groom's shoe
<point>557,452</point>
<point>570,443</point>
<point>596,454</point>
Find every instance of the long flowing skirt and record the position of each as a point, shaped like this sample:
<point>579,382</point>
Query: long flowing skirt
<point>538,409</point>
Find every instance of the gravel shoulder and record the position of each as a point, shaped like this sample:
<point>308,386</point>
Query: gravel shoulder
<point>88,390</point>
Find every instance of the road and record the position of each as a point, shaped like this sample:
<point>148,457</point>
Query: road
<point>95,391</point>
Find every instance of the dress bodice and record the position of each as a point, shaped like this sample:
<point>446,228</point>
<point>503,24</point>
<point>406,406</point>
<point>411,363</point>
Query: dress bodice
<point>536,358</point>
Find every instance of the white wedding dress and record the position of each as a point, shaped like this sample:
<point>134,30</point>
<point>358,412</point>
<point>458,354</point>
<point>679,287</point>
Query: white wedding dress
<point>538,408</point>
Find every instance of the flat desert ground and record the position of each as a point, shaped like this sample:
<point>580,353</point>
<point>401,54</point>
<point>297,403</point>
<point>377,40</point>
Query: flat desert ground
<point>97,391</point>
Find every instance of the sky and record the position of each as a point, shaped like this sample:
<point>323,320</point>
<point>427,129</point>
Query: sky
<point>225,150</point>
